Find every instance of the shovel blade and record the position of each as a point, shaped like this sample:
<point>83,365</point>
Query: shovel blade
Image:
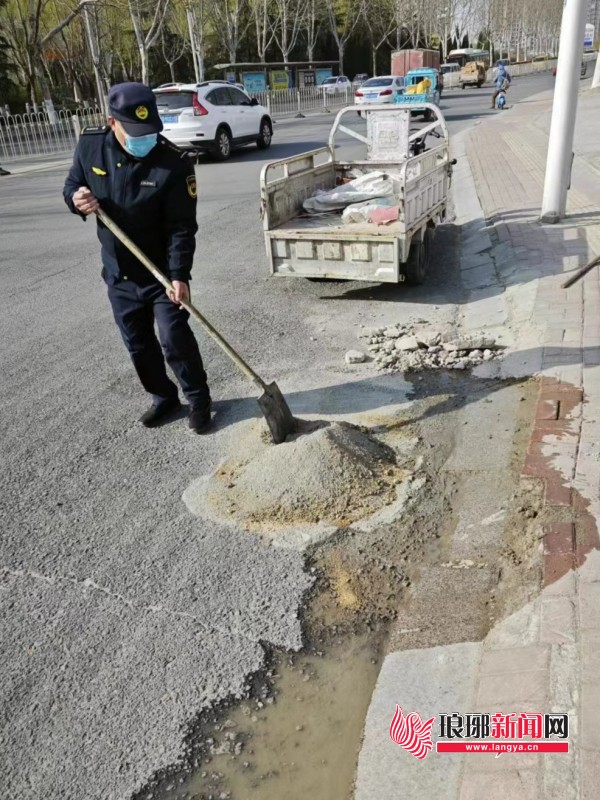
<point>277,413</point>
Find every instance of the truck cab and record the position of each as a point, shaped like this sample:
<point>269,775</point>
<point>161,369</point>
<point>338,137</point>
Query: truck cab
<point>421,86</point>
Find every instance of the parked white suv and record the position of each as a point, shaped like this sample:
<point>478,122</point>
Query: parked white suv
<point>213,117</point>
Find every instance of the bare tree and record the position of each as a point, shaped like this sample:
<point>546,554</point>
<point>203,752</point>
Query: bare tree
<point>313,19</point>
<point>343,17</point>
<point>24,29</point>
<point>230,21</point>
<point>173,42</point>
<point>380,20</point>
<point>140,10</point>
<point>265,30</point>
<point>287,24</point>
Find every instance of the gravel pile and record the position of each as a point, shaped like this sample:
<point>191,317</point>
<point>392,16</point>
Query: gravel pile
<point>334,474</point>
<point>405,348</point>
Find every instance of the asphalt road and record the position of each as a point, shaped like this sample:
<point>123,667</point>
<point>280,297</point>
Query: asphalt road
<point>121,614</point>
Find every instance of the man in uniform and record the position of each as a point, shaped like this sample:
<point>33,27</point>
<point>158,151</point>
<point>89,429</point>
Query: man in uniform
<point>148,187</point>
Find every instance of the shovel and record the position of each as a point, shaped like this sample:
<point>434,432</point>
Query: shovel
<point>272,403</point>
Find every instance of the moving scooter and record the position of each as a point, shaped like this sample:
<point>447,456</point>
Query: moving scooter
<point>501,96</point>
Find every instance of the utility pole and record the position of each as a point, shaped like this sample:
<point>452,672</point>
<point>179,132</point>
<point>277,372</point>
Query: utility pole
<point>596,78</point>
<point>564,111</point>
<point>95,56</point>
<point>192,29</point>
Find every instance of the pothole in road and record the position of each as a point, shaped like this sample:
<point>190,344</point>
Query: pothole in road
<point>298,733</point>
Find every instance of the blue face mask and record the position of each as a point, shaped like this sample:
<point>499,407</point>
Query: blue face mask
<point>140,146</point>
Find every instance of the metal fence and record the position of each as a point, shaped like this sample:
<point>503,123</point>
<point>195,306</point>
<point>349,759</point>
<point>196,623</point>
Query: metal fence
<point>35,134</point>
<point>312,99</point>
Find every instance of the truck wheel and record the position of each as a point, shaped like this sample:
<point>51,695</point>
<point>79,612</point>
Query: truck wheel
<point>462,85</point>
<point>480,84</point>
<point>415,269</point>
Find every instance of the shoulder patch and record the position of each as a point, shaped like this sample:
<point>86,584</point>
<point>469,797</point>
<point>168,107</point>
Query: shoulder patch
<point>90,129</point>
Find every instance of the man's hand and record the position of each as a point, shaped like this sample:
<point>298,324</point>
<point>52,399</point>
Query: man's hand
<point>84,201</point>
<point>180,293</point>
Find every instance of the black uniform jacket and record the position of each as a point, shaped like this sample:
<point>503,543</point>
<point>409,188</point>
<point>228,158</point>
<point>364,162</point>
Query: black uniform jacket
<point>152,199</point>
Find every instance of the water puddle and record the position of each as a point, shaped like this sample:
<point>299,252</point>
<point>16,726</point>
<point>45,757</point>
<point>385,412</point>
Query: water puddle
<point>302,746</point>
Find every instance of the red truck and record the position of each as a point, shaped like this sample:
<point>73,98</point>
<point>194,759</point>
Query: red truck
<point>405,60</point>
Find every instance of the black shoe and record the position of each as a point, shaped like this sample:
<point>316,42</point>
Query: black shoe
<point>199,419</point>
<point>157,414</point>
<point>4,171</point>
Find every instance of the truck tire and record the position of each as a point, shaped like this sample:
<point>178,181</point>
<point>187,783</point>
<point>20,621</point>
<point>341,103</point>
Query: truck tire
<point>480,84</point>
<point>415,269</point>
<point>462,85</point>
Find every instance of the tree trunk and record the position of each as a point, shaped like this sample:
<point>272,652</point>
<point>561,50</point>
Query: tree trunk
<point>172,69</point>
<point>144,62</point>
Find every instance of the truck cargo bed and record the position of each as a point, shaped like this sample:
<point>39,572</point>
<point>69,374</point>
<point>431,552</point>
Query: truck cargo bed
<point>323,246</point>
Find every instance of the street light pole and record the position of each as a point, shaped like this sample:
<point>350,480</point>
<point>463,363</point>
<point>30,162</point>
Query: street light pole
<point>564,111</point>
<point>596,78</point>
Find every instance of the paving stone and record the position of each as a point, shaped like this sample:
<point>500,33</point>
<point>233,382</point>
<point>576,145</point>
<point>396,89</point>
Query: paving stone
<point>556,566</point>
<point>589,606</point>
<point>518,689</point>
<point>590,714</point>
<point>590,656</point>
<point>558,621</point>
<point>590,774</point>
<point>560,539</point>
<point>514,660</point>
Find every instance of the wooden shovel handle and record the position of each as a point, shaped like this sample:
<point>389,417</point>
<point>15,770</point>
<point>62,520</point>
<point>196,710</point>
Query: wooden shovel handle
<point>189,307</point>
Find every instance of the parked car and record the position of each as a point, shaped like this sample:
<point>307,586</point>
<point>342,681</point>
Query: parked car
<point>212,116</point>
<point>359,79</point>
<point>379,90</point>
<point>336,85</point>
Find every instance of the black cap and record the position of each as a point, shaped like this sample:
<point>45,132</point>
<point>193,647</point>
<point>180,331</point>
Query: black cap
<point>134,105</point>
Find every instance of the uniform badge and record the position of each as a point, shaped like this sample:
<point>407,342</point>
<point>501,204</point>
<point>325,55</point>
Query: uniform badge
<point>191,186</point>
<point>98,171</point>
<point>141,112</point>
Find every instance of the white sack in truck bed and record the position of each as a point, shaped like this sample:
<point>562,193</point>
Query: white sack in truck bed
<point>372,186</point>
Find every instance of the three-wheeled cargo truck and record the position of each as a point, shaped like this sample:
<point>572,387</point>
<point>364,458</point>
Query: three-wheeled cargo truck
<point>302,245</point>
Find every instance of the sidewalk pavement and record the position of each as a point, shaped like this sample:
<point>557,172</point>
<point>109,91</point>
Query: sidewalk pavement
<point>546,656</point>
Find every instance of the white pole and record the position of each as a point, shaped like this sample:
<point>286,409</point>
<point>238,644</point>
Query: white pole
<point>192,29</point>
<point>564,110</point>
<point>596,78</point>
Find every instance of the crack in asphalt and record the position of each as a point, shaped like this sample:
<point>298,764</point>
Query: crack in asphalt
<point>88,583</point>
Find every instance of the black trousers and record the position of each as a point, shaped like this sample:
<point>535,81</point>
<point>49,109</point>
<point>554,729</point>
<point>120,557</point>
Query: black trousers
<point>136,308</point>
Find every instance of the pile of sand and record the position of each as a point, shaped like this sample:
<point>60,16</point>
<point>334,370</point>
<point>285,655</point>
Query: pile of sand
<point>335,474</point>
